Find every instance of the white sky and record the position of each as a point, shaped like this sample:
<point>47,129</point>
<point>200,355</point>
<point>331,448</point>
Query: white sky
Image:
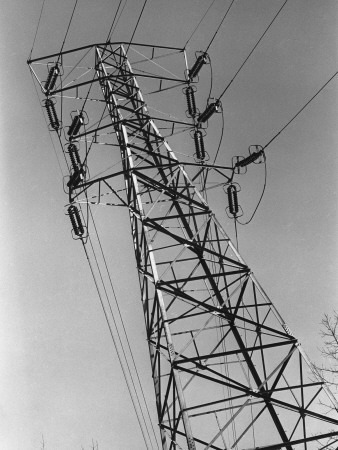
<point>59,375</point>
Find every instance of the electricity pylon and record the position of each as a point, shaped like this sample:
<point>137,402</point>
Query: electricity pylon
<point>227,371</point>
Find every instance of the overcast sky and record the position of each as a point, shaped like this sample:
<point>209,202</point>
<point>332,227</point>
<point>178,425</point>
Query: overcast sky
<point>59,374</point>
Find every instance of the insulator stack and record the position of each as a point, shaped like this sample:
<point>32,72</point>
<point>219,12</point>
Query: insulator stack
<point>233,200</point>
<point>76,125</point>
<point>249,159</point>
<point>209,111</point>
<point>74,157</point>
<point>190,94</point>
<point>78,173</point>
<point>75,219</point>
<point>53,74</point>
<point>199,63</point>
<point>52,116</point>
<point>199,145</point>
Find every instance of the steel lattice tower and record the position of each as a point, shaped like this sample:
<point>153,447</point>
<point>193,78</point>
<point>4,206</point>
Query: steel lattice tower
<point>227,371</point>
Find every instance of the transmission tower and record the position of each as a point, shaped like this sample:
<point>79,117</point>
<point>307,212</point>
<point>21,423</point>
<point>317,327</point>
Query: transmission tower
<point>227,371</point>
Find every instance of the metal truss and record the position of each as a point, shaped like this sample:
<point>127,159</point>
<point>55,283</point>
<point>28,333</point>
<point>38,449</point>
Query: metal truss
<point>228,372</point>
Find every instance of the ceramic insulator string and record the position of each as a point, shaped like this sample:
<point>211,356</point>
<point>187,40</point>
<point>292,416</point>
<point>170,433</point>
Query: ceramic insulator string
<point>199,145</point>
<point>233,200</point>
<point>76,221</point>
<point>51,79</point>
<point>78,172</point>
<point>76,125</point>
<point>208,112</point>
<point>199,63</point>
<point>190,95</point>
<point>74,156</point>
<point>249,159</point>
<point>52,116</point>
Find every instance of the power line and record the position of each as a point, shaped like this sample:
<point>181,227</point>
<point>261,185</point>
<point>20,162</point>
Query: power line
<point>219,26</point>
<point>277,134</point>
<point>254,48</point>
<point>118,19</point>
<point>112,25</point>
<point>70,21</point>
<point>302,109</point>
<point>138,20</point>
<point>114,340</point>
<point>199,23</point>
<point>37,28</point>
<point>123,326</point>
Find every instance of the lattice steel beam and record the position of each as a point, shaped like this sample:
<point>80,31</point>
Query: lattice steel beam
<point>227,370</point>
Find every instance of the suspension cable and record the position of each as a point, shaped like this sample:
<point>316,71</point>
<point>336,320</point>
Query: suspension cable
<point>121,318</point>
<point>302,109</point>
<point>114,340</point>
<point>118,19</point>
<point>138,20</point>
<point>253,49</point>
<point>37,28</point>
<point>219,26</point>
<point>112,25</point>
<point>199,23</point>
<point>70,21</point>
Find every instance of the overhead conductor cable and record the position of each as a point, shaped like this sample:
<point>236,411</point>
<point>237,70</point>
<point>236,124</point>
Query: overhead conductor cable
<point>112,25</point>
<point>199,23</point>
<point>123,327</point>
<point>253,49</point>
<point>275,136</point>
<point>219,26</point>
<point>70,21</point>
<point>138,20</point>
<point>120,356</point>
<point>302,109</point>
<point>37,28</point>
<point>203,58</point>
